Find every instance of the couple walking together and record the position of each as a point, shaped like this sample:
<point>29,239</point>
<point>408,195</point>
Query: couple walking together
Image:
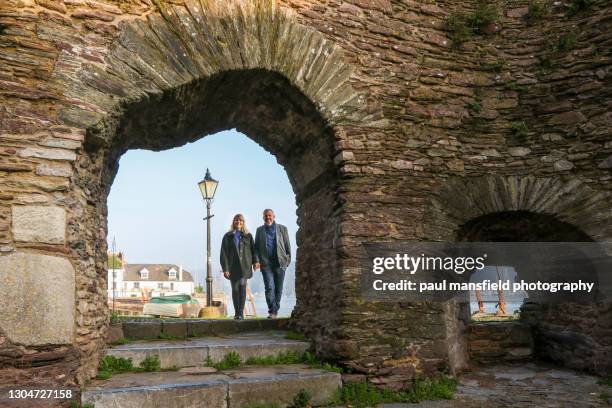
<point>270,251</point>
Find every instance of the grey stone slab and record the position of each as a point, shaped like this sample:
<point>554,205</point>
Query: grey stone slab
<point>238,388</point>
<point>158,390</point>
<point>38,298</point>
<point>175,328</point>
<point>142,330</point>
<point>280,384</point>
<point>39,223</point>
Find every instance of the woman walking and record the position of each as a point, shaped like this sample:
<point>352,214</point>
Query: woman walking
<point>238,261</point>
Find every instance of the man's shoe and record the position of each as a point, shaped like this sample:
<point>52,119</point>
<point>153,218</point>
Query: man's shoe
<point>236,317</point>
<point>240,317</point>
<point>273,316</point>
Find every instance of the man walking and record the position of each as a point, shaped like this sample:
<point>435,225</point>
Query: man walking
<point>274,253</point>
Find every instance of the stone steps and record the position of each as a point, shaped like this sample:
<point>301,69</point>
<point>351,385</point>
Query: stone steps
<point>149,328</point>
<point>205,387</point>
<point>194,351</point>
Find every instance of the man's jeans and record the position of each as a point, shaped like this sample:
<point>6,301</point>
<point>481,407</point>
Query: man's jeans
<point>273,277</point>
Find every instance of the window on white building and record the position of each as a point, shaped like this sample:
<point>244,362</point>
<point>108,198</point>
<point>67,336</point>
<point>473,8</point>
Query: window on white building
<point>172,273</point>
<point>160,285</point>
<point>171,285</point>
<point>144,274</point>
<point>136,285</point>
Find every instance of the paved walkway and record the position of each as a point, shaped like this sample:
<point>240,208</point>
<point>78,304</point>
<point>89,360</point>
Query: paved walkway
<point>525,385</point>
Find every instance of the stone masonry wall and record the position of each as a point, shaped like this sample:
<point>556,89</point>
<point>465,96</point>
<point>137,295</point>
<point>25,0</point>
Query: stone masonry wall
<point>404,118</point>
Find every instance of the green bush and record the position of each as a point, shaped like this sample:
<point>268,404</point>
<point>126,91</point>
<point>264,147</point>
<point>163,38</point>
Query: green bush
<point>114,318</point>
<point>303,399</point>
<point>150,363</point>
<point>484,14</point>
<point>231,360</point>
<point>605,381</point>
<point>424,390</point>
<point>289,357</point>
<point>576,6</point>
<point>565,42</point>
<point>366,395</point>
<point>291,335</point>
<point>538,9</point>
<point>116,365</point>
<point>519,130</point>
<point>461,27</point>
<point>75,404</point>
<point>458,30</point>
<point>495,66</point>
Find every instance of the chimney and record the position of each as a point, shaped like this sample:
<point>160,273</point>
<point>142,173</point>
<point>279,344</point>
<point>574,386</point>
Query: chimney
<point>180,273</point>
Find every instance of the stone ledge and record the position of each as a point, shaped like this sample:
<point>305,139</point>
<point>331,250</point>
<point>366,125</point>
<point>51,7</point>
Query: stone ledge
<point>144,329</point>
<point>195,351</point>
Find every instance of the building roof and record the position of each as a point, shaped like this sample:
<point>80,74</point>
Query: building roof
<point>157,272</point>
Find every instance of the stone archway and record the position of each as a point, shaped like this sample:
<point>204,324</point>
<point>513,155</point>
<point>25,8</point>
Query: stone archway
<point>161,81</point>
<point>512,208</point>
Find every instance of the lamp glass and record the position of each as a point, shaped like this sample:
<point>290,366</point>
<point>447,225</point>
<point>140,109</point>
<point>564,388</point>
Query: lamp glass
<point>208,187</point>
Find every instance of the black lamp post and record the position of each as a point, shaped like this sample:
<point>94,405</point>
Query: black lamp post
<point>208,186</point>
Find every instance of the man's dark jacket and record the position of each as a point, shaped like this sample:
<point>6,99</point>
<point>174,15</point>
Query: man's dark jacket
<point>238,261</point>
<point>283,247</point>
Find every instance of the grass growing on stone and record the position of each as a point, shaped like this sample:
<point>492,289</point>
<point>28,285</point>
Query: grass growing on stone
<point>121,341</point>
<point>233,360</point>
<point>150,364</point>
<point>75,404</point>
<point>605,381</point>
<point>360,395</point>
<point>263,406</point>
<point>303,399</point>
<point>538,9</point>
<point>564,42</point>
<point>289,357</point>
<point>165,336</point>
<point>291,335</point>
<point>520,130</point>
<point>111,365</point>
<point>463,26</point>
<point>576,6</point>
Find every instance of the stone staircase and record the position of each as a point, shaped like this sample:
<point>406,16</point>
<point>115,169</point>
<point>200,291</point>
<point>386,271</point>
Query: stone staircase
<point>193,384</point>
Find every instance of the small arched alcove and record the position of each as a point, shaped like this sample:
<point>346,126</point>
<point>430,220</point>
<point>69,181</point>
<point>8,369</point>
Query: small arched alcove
<point>531,209</point>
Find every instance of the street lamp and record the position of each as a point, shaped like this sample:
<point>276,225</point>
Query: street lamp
<point>208,186</point>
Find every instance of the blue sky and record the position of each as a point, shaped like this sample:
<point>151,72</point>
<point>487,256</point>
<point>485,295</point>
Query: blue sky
<point>155,208</point>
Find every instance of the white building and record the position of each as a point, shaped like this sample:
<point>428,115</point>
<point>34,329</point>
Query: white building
<point>132,280</point>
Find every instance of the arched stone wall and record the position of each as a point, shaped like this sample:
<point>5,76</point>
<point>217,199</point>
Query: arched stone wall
<point>161,80</point>
<point>409,112</point>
